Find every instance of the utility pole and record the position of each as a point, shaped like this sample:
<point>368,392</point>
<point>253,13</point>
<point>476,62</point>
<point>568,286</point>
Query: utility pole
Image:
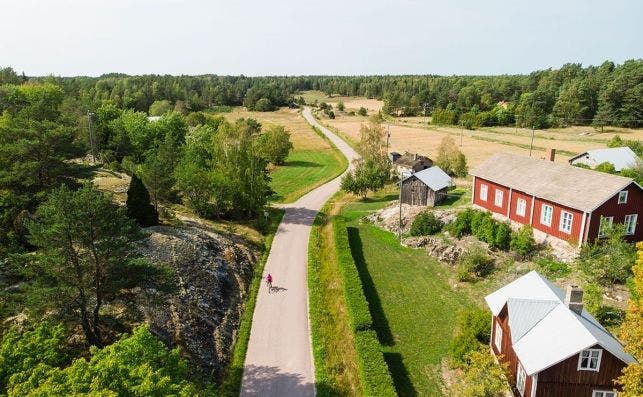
<point>424,105</point>
<point>91,136</point>
<point>388,137</point>
<point>399,227</point>
<point>531,145</point>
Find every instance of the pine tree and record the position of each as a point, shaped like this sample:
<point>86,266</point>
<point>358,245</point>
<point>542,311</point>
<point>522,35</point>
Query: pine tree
<point>139,207</point>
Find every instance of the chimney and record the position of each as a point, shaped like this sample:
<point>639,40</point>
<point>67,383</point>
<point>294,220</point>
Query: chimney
<point>574,298</point>
<point>551,154</point>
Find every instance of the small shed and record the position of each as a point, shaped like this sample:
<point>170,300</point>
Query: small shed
<point>619,157</point>
<point>427,187</point>
<point>409,163</point>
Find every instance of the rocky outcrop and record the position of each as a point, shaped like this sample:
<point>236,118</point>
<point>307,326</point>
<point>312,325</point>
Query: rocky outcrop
<point>388,218</point>
<point>213,274</point>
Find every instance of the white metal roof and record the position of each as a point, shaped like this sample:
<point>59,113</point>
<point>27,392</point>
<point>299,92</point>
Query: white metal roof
<point>620,157</point>
<point>434,178</point>
<point>547,331</point>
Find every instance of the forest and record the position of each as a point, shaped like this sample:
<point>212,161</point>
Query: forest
<point>67,250</point>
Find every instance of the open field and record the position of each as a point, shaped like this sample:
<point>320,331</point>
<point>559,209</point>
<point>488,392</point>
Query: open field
<point>350,103</point>
<point>312,162</point>
<point>412,302</point>
<point>414,135</point>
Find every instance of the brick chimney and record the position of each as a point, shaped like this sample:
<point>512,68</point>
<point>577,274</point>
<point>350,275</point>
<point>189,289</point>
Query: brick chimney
<point>574,298</point>
<point>551,154</point>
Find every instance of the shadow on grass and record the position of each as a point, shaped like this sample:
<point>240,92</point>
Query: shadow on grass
<point>403,384</point>
<point>380,323</point>
<point>452,197</point>
<point>380,199</point>
<point>303,164</point>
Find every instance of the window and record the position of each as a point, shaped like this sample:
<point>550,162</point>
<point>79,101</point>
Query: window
<point>630,223</point>
<point>566,219</point>
<point>483,192</point>
<point>622,197</point>
<point>545,214</point>
<point>603,393</point>
<point>498,199</point>
<point>605,225</point>
<point>590,360</point>
<point>497,338</point>
<point>521,207</point>
<point>521,378</point>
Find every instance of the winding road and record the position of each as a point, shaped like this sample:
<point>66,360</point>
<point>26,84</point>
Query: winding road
<point>279,360</point>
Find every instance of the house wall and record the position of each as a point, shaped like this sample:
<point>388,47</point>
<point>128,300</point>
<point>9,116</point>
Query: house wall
<point>507,354</point>
<point>554,229</point>
<point>491,196</point>
<point>564,378</point>
<point>611,207</point>
<point>515,195</point>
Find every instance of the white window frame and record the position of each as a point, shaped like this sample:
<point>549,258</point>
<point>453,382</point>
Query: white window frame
<point>521,379</point>
<point>622,197</point>
<point>608,219</point>
<point>564,227</point>
<point>499,197</point>
<point>543,221</point>
<point>589,357</point>
<point>604,393</point>
<point>484,192</point>
<point>521,207</point>
<point>630,223</point>
<point>497,338</point>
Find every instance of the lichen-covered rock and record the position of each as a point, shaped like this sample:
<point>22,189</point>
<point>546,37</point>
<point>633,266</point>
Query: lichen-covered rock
<point>202,315</point>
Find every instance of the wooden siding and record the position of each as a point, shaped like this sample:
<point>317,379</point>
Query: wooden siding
<point>611,207</point>
<point>564,378</point>
<point>491,196</point>
<point>554,229</point>
<point>515,195</point>
<point>415,192</point>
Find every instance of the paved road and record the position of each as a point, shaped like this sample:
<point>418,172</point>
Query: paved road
<point>279,360</point>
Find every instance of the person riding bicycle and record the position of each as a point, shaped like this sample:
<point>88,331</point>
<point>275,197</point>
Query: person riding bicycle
<point>269,282</point>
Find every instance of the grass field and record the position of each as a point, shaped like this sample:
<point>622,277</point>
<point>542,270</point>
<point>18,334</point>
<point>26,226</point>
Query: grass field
<point>312,162</point>
<point>350,103</point>
<point>412,302</point>
<point>413,134</point>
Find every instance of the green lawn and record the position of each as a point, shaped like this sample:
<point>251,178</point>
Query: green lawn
<point>305,170</point>
<point>413,306</point>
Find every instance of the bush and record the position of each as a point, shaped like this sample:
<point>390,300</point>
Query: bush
<point>356,302</point>
<point>522,241</point>
<point>340,106</point>
<point>362,111</point>
<point>610,316</point>
<point>472,330</point>
<point>425,223</point>
<point>138,204</point>
<point>553,268</point>
<point>461,226</point>
<point>474,263</point>
<point>501,236</point>
<point>483,226</point>
<point>263,105</point>
<point>610,260</point>
<point>443,117</point>
<point>373,371</point>
<point>482,376</point>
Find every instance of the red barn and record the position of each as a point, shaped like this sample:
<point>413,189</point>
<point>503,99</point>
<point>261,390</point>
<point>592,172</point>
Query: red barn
<point>567,202</point>
<point>552,346</point>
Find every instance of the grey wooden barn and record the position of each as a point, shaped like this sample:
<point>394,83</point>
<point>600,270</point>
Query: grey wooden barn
<point>427,187</point>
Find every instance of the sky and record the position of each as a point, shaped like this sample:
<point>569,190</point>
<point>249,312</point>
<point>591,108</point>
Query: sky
<point>327,37</point>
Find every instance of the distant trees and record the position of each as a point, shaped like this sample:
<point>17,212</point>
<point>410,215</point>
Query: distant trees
<point>86,256</point>
<point>274,144</point>
<point>160,107</point>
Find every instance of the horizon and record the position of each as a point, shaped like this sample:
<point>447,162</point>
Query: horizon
<point>74,38</point>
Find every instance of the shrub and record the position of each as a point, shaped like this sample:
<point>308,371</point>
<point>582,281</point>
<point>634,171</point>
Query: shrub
<point>358,311</point>
<point>375,377</point>
<point>138,204</point>
<point>461,346</point>
<point>425,223</point>
<point>362,111</point>
<point>263,105</point>
<point>483,226</point>
<point>340,106</point>
<point>472,330</point>
<point>474,263</point>
<point>501,236</point>
<point>482,376</point>
<point>522,241</point>
<point>553,268</point>
<point>610,260</point>
<point>443,117</point>
<point>610,316</point>
<point>592,297</point>
<point>461,226</point>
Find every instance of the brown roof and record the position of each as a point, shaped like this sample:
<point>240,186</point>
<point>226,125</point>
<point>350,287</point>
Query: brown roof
<point>409,159</point>
<point>564,184</point>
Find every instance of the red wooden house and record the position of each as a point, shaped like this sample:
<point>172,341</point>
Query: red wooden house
<point>552,346</point>
<point>567,202</point>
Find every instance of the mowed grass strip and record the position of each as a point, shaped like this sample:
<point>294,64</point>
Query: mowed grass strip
<point>304,171</point>
<point>336,369</point>
<point>414,307</point>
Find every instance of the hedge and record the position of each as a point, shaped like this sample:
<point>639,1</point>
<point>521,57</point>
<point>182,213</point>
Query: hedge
<point>358,311</point>
<point>375,377</point>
